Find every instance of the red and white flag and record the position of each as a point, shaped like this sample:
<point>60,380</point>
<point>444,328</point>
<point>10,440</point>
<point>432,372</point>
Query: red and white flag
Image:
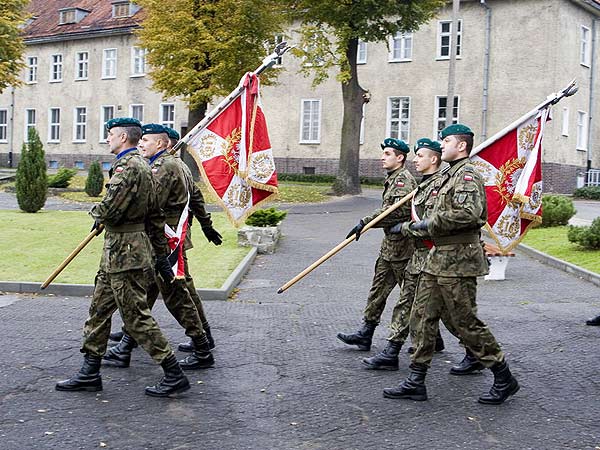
<point>176,239</point>
<point>511,166</point>
<point>233,153</point>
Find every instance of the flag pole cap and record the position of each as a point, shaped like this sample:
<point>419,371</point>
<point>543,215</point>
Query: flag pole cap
<point>456,128</point>
<point>428,144</point>
<point>396,144</point>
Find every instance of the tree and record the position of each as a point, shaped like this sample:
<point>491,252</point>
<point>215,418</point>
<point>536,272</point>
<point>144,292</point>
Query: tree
<point>12,17</point>
<point>94,180</point>
<point>331,30</point>
<point>31,181</point>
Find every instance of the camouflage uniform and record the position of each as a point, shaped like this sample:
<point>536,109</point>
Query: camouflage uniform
<point>449,274</point>
<point>131,216</point>
<point>396,249</point>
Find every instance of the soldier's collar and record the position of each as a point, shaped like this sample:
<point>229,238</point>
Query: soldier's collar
<point>124,152</point>
<point>156,156</point>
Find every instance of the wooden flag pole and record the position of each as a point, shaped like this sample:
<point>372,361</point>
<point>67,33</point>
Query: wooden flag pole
<point>72,256</point>
<point>346,242</point>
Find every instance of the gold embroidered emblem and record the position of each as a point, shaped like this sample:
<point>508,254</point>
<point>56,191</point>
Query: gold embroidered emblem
<point>231,152</point>
<point>526,137</point>
<point>207,146</point>
<point>239,195</point>
<point>508,224</point>
<point>506,178</point>
<point>262,166</point>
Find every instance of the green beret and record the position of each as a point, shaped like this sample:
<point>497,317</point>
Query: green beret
<point>154,128</point>
<point>123,122</point>
<point>457,128</point>
<point>172,133</point>
<point>429,144</point>
<point>396,144</point>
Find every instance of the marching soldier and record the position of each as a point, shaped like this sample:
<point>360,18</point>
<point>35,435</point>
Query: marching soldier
<point>395,250</point>
<point>133,222</point>
<point>449,277</point>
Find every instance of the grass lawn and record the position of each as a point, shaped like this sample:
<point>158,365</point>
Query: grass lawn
<point>33,245</point>
<point>553,241</point>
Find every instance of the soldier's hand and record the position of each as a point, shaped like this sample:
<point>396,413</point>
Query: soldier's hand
<point>356,230</point>
<point>420,225</point>
<point>163,267</point>
<point>212,235</point>
<point>400,228</point>
<point>95,226</point>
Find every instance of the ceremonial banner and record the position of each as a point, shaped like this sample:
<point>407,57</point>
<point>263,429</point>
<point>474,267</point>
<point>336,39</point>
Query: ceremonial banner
<point>233,153</point>
<point>511,166</point>
<point>175,239</point>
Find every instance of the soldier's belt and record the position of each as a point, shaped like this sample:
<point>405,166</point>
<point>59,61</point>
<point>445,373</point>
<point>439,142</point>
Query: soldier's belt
<point>459,239</point>
<point>126,228</point>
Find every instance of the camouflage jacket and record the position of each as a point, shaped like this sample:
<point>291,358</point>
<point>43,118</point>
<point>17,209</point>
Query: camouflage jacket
<point>129,211</point>
<point>395,247</point>
<point>197,208</point>
<point>457,215</point>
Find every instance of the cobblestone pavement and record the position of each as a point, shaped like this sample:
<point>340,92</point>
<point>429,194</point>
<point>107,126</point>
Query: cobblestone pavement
<point>283,381</point>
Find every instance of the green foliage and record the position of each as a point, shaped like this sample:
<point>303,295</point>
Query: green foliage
<point>322,178</point>
<point>31,181</point>
<point>266,217</point>
<point>556,210</point>
<point>12,16</point>
<point>62,178</point>
<point>587,237</point>
<point>588,192</point>
<point>95,180</point>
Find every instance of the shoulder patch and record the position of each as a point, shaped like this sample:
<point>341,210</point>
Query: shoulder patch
<point>434,193</point>
<point>119,169</point>
<point>400,183</point>
<point>155,170</point>
<point>468,177</point>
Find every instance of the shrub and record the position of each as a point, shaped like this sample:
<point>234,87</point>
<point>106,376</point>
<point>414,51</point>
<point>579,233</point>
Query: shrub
<point>95,180</point>
<point>62,178</point>
<point>266,217</point>
<point>588,192</point>
<point>587,237</point>
<point>31,182</point>
<point>556,210</point>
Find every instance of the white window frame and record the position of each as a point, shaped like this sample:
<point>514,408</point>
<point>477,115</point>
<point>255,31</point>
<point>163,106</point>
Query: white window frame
<point>53,126</point>
<point>29,124</point>
<point>4,125</point>
<point>117,5</point>
<point>402,123</point>
<point>83,64</point>
<point>32,69</point>
<point>361,52</point>
<point>401,47</point>
<point>135,57</point>
<point>441,34</point>
<point>67,16</point>
<point>167,123</point>
<point>56,68</point>
<point>565,121</point>
<point>313,123</point>
<point>437,119</point>
<point>77,124</point>
<point>582,130</point>
<point>103,134</point>
<point>141,119</point>
<point>585,46</point>
<point>106,75</point>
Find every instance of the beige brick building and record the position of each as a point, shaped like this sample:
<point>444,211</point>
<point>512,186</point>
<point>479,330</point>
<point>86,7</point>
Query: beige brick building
<point>535,47</point>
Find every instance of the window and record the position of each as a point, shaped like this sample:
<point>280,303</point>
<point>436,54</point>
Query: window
<point>107,113</point>
<point>56,68</point>
<point>67,16</point>
<point>361,53</point>
<point>81,65</point>
<point>398,122</point>
<point>444,38</point>
<point>30,122</point>
<point>440,109</point>
<point>138,61</point>
<point>54,125</point>
<point>565,121</point>
<point>582,133</point>
<point>585,53</point>
<point>122,8</point>
<point>32,66</point>
<point>109,63</point>
<point>167,114</point>
<point>3,125</point>
<point>279,38</point>
<point>106,166</point>
<point>137,112</point>
<point>310,117</point>
<point>52,164</point>
<point>79,124</point>
<point>400,47</point>
<point>79,165</point>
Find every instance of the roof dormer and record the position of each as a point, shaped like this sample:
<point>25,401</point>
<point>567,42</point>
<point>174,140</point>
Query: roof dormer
<point>71,15</point>
<point>123,8</point>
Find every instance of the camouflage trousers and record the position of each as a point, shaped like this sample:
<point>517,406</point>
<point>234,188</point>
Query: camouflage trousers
<point>387,275</point>
<point>457,295</point>
<point>189,283</point>
<point>125,291</point>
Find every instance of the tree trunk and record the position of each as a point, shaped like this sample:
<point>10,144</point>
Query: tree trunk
<point>348,180</point>
<point>195,115</point>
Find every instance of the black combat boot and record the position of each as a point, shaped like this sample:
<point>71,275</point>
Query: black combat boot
<point>439,344</point>
<point>362,338</point>
<point>188,347</point>
<point>87,379</point>
<point>413,387</point>
<point>116,336</point>
<point>120,354</point>
<point>594,321</point>
<point>504,385</point>
<point>201,357</point>
<point>387,359</point>
<point>173,382</point>
<point>469,364</point>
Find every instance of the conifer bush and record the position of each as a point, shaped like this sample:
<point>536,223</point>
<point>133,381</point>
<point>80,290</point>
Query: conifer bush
<point>587,237</point>
<point>556,210</point>
<point>588,192</point>
<point>31,181</point>
<point>62,178</point>
<point>95,180</point>
<point>266,217</point>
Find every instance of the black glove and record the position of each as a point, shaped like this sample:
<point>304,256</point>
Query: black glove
<point>397,229</point>
<point>95,226</point>
<point>356,230</point>
<point>212,235</point>
<point>420,225</point>
<point>163,267</point>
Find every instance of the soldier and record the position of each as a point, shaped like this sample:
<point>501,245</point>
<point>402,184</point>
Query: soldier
<point>172,193</point>
<point>395,250</point>
<point>133,222</point>
<point>449,277</point>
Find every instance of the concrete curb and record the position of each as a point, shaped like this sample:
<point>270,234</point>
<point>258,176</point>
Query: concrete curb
<point>82,290</point>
